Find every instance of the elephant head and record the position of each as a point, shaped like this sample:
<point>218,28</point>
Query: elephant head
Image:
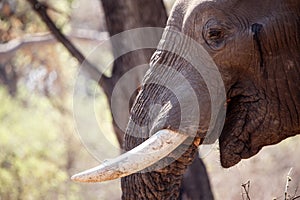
<point>255,46</point>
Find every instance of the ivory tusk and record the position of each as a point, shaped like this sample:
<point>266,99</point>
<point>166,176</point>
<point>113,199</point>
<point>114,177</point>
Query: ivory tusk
<point>146,154</point>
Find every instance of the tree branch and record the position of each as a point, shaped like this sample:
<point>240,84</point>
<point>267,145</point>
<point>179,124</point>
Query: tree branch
<point>92,71</point>
<point>7,50</point>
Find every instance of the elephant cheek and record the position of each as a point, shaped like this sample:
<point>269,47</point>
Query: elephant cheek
<point>243,132</point>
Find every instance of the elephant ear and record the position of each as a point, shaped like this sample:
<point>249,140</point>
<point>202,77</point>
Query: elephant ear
<point>249,126</point>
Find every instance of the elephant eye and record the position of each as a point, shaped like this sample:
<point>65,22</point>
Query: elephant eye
<point>214,34</point>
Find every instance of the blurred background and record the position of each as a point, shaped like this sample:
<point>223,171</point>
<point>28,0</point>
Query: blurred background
<point>39,145</point>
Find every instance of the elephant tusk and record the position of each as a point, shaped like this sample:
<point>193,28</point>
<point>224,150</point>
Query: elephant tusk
<point>146,154</point>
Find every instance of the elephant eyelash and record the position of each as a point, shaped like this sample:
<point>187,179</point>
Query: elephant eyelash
<point>215,34</point>
<point>214,37</point>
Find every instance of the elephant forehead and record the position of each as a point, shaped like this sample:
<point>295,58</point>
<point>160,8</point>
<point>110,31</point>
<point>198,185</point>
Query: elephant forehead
<point>252,10</point>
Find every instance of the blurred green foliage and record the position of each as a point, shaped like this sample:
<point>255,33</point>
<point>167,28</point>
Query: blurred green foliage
<point>34,146</point>
<point>38,144</point>
<point>17,18</point>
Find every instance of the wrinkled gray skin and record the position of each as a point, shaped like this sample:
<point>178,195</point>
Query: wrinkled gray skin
<point>256,47</point>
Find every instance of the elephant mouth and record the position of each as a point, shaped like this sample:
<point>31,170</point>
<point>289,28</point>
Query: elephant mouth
<point>157,147</point>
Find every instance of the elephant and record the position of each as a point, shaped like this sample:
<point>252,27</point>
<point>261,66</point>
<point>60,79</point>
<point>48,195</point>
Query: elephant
<point>255,46</point>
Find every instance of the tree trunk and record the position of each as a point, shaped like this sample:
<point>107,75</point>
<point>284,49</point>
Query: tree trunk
<point>120,16</point>
<point>123,15</point>
<point>195,183</point>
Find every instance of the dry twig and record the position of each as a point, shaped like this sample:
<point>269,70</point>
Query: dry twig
<point>246,187</point>
<point>288,179</point>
